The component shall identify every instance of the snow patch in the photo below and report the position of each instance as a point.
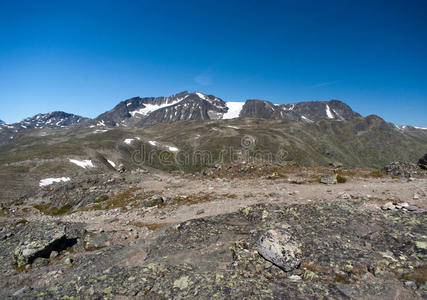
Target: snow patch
(422, 128)
(111, 163)
(306, 119)
(149, 108)
(100, 130)
(157, 144)
(202, 96)
(128, 141)
(328, 112)
(291, 108)
(234, 109)
(82, 163)
(49, 181)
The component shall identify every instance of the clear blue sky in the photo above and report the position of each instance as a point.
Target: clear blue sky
(84, 57)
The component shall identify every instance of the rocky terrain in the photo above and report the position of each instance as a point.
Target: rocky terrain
(159, 235)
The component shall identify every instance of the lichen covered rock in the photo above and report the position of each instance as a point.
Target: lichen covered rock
(280, 248)
(39, 242)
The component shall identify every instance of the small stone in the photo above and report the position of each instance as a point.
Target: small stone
(387, 206)
(68, 261)
(345, 196)
(294, 277)
(298, 180)
(181, 283)
(53, 254)
(40, 262)
(200, 211)
(416, 197)
(20, 291)
(412, 207)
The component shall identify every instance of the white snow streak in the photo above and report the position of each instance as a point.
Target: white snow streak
(202, 96)
(82, 163)
(328, 112)
(306, 119)
(49, 181)
(149, 108)
(157, 144)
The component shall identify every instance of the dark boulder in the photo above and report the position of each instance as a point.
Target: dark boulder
(422, 162)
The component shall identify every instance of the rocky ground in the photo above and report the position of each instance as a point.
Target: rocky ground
(155, 235)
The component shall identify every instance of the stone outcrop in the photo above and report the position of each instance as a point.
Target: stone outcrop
(39, 242)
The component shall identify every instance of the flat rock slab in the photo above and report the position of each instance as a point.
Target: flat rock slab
(39, 241)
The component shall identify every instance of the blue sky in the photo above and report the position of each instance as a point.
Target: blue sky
(84, 57)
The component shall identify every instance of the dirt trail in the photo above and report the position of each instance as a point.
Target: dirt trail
(229, 195)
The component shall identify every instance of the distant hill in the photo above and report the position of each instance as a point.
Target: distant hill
(56, 119)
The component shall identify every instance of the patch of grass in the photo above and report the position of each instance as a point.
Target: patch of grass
(20, 222)
(231, 196)
(341, 179)
(4, 211)
(274, 170)
(346, 172)
(194, 199)
(101, 199)
(53, 211)
(376, 174)
(118, 200)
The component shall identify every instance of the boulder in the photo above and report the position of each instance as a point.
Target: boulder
(39, 242)
(401, 169)
(329, 179)
(95, 242)
(422, 162)
(279, 247)
(154, 200)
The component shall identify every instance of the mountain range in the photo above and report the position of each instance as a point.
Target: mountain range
(188, 106)
(314, 133)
